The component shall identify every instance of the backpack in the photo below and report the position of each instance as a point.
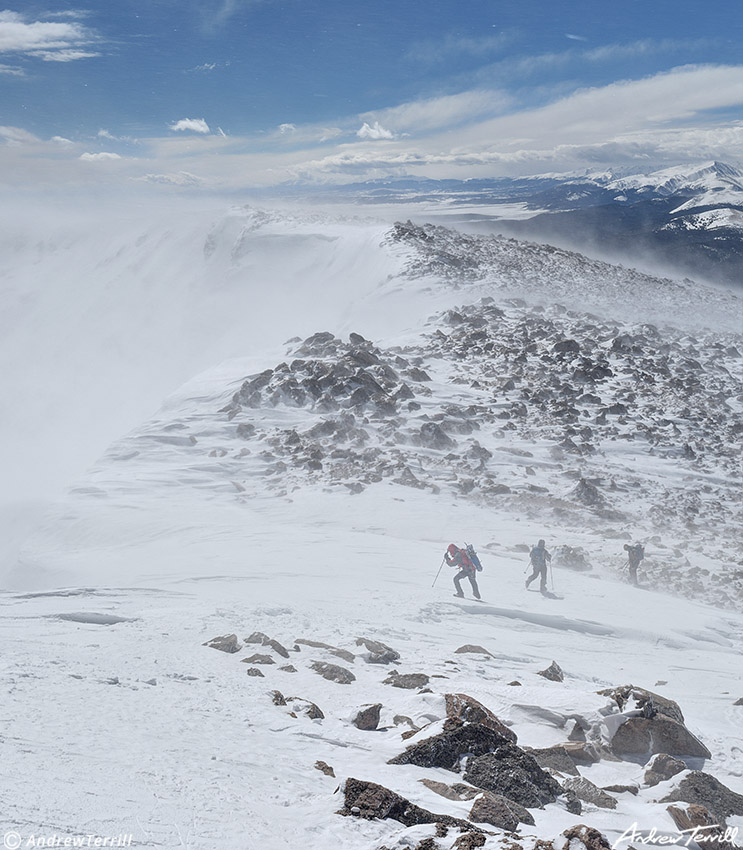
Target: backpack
(472, 555)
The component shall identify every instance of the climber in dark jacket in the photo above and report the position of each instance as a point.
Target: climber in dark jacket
(539, 557)
(635, 554)
(456, 557)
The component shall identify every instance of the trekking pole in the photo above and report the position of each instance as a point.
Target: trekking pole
(552, 581)
(438, 573)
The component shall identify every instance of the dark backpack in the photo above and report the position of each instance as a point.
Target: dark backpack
(472, 555)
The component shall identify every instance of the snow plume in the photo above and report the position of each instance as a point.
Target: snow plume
(374, 131)
(194, 125)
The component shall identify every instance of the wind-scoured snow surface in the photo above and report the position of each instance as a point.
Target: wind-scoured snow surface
(435, 388)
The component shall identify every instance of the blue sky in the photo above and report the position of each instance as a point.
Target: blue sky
(243, 92)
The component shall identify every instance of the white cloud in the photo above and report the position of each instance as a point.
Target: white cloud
(374, 131)
(98, 157)
(52, 41)
(440, 112)
(63, 55)
(287, 128)
(16, 136)
(12, 71)
(60, 140)
(194, 125)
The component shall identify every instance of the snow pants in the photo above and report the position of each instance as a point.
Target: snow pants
(539, 571)
(473, 581)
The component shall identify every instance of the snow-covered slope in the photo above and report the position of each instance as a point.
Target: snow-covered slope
(482, 390)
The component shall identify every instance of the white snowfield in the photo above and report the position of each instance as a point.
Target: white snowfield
(117, 720)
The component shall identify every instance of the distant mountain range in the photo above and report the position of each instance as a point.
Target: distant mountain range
(687, 219)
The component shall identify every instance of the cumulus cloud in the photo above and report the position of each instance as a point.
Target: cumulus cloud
(103, 156)
(287, 128)
(193, 125)
(374, 131)
(52, 41)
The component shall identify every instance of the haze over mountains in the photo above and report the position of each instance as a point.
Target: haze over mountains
(686, 219)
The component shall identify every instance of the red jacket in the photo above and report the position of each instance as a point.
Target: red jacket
(456, 557)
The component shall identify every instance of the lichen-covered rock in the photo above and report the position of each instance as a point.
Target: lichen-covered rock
(224, 643)
(333, 672)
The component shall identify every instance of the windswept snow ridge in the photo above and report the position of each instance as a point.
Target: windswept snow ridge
(237, 622)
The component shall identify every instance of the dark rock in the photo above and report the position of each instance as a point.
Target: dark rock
(499, 811)
(325, 768)
(588, 494)
(254, 671)
(515, 684)
(446, 749)
(224, 643)
(369, 800)
(433, 437)
(461, 708)
(378, 652)
(553, 673)
(509, 771)
(582, 752)
(258, 659)
(646, 736)
(662, 767)
(572, 803)
(245, 430)
(566, 346)
(585, 790)
(699, 822)
(288, 668)
(704, 790)
(277, 698)
(333, 672)
(572, 558)
(409, 681)
(368, 718)
(556, 758)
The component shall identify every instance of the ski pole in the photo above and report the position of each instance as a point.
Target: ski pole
(552, 581)
(438, 573)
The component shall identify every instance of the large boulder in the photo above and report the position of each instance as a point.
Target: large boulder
(462, 707)
(555, 758)
(369, 800)
(499, 811)
(704, 790)
(629, 695)
(368, 717)
(224, 643)
(378, 652)
(641, 737)
(446, 749)
(590, 838)
(509, 771)
(408, 681)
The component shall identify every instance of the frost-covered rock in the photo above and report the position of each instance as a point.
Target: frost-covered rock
(225, 643)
